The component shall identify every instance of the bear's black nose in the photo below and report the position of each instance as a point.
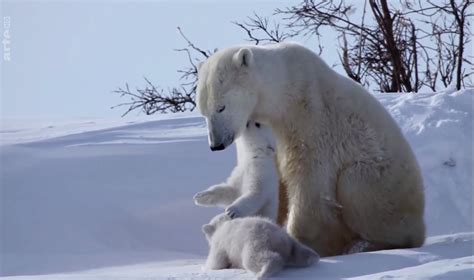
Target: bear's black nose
(218, 147)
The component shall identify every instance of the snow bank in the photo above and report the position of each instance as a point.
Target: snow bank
(439, 129)
(112, 199)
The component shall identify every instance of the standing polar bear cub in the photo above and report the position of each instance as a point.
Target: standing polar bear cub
(255, 244)
(252, 188)
(351, 176)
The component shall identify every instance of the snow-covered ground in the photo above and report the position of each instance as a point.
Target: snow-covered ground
(112, 199)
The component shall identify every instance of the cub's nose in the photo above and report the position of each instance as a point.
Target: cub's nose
(219, 147)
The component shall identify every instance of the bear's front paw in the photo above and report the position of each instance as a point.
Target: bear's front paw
(233, 212)
(204, 198)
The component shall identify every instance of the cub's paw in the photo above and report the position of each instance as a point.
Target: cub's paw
(233, 212)
(205, 198)
(313, 258)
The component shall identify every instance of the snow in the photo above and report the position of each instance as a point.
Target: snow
(112, 199)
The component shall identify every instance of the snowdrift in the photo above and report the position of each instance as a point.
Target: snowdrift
(112, 199)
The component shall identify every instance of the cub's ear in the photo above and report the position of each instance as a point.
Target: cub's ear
(243, 57)
(208, 229)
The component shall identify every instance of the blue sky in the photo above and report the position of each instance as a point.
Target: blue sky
(67, 56)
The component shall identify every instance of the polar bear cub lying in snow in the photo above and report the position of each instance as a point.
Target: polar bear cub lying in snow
(255, 244)
(252, 188)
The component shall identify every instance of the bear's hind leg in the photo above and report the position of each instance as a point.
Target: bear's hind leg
(383, 209)
(216, 260)
(301, 255)
(269, 263)
(263, 262)
(274, 265)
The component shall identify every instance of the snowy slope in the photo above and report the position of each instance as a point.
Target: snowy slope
(112, 199)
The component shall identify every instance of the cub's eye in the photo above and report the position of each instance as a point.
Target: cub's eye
(221, 109)
(257, 125)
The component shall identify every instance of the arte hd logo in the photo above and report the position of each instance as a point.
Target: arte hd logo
(6, 41)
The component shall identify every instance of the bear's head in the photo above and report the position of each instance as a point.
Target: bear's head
(224, 94)
(215, 223)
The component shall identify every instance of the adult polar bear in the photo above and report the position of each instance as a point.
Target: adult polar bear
(352, 178)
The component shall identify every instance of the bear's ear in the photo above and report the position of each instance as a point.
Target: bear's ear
(200, 65)
(208, 229)
(243, 57)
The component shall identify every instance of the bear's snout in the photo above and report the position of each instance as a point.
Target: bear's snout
(219, 140)
(218, 147)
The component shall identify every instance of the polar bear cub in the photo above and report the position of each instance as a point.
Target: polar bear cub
(252, 188)
(255, 244)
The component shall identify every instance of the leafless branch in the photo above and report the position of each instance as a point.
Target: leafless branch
(152, 99)
(259, 30)
(421, 44)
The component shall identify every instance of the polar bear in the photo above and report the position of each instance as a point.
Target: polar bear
(255, 244)
(252, 188)
(351, 176)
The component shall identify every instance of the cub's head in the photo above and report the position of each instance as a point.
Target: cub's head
(224, 94)
(214, 224)
(258, 135)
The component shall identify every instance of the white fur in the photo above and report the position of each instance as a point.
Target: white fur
(255, 244)
(348, 168)
(252, 188)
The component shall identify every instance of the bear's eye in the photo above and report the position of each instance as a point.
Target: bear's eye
(221, 109)
(257, 125)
